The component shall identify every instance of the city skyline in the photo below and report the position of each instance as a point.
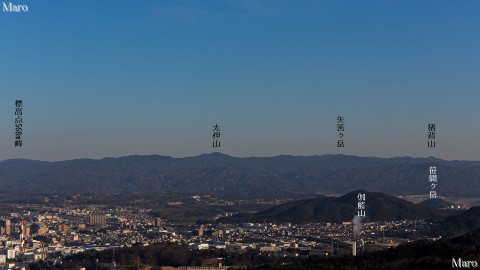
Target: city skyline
(111, 79)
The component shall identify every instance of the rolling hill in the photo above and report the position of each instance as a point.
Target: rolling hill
(379, 206)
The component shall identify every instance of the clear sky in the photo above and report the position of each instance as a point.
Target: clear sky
(113, 78)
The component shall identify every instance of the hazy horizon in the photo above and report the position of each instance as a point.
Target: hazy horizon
(111, 79)
(234, 156)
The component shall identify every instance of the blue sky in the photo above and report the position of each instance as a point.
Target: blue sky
(114, 78)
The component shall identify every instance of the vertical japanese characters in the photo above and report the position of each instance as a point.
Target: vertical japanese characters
(18, 123)
(431, 135)
(361, 205)
(432, 179)
(216, 136)
(341, 131)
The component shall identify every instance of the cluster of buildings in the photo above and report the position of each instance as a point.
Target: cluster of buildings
(39, 232)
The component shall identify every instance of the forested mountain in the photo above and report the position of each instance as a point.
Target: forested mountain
(254, 176)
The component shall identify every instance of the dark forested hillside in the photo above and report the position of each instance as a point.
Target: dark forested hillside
(379, 206)
(255, 176)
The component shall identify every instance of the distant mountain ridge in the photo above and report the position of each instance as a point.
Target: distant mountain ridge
(252, 176)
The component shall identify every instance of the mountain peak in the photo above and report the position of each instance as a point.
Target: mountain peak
(215, 155)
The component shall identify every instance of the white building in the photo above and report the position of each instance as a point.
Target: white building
(11, 253)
